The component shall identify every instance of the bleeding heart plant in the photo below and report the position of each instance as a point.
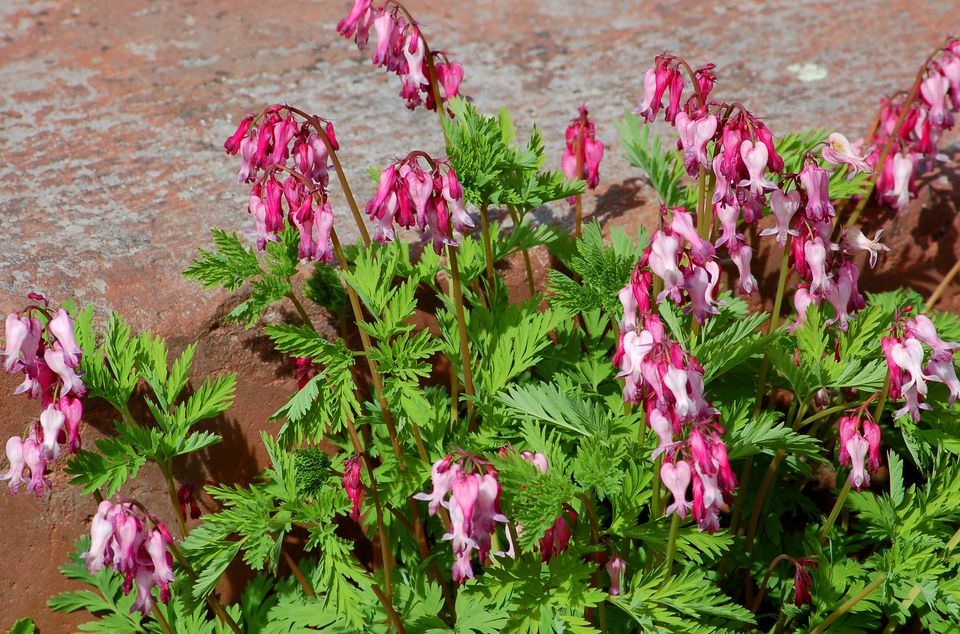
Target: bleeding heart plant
(494, 470)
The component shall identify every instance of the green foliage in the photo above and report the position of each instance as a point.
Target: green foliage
(115, 364)
(664, 168)
(23, 626)
(105, 601)
(491, 170)
(231, 265)
(603, 271)
(793, 147)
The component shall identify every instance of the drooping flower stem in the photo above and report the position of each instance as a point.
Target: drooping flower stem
(375, 377)
(835, 511)
(526, 252)
(167, 470)
(762, 379)
(162, 620)
(942, 287)
(872, 181)
(852, 601)
(487, 245)
(341, 176)
(297, 573)
(766, 579)
(391, 613)
(464, 341)
(703, 226)
(300, 310)
(952, 543)
(671, 545)
(904, 606)
(431, 69)
(386, 555)
(767, 483)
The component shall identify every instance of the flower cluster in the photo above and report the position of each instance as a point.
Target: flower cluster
(904, 353)
(271, 144)
(668, 381)
(859, 437)
(581, 159)
(120, 537)
(739, 158)
(409, 195)
(826, 269)
(42, 346)
(911, 127)
(401, 49)
(352, 484)
(473, 504)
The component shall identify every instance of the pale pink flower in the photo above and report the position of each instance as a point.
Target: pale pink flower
(676, 477)
(615, 569)
(856, 240)
(840, 151)
(784, 207)
(15, 458)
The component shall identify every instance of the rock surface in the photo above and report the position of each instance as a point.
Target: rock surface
(114, 116)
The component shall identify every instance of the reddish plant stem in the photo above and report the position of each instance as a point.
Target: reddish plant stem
(766, 579)
(942, 287)
(912, 95)
(341, 176)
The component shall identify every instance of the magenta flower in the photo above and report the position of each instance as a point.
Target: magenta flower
(581, 159)
(615, 569)
(694, 136)
(352, 484)
(802, 580)
(357, 21)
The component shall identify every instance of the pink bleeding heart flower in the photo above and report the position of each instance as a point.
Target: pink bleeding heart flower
(676, 477)
(664, 262)
(741, 256)
(816, 258)
(839, 151)
(903, 167)
(784, 207)
(352, 484)
(17, 462)
(857, 448)
(942, 370)
(232, 145)
(414, 51)
(923, 329)
(934, 91)
(855, 239)
(816, 182)
(755, 157)
(383, 26)
(450, 76)
(33, 458)
(70, 379)
(61, 327)
(615, 569)
(728, 215)
(101, 532)
(694, 136)
(682, 225)
(51, 422)
(348, 26)
(157, 547)
(662, 426)
(700, 285)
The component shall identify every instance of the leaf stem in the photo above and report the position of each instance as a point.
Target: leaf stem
(158, 615)
(297, 573)
(942, 287)
(766, 580)
(464, 341)
(375, 377)
(843, 609)
(300, 310)
(905, 604)
(672, 544)
(391, 613)
(487, 244)
(526, 252)
(835, 511)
